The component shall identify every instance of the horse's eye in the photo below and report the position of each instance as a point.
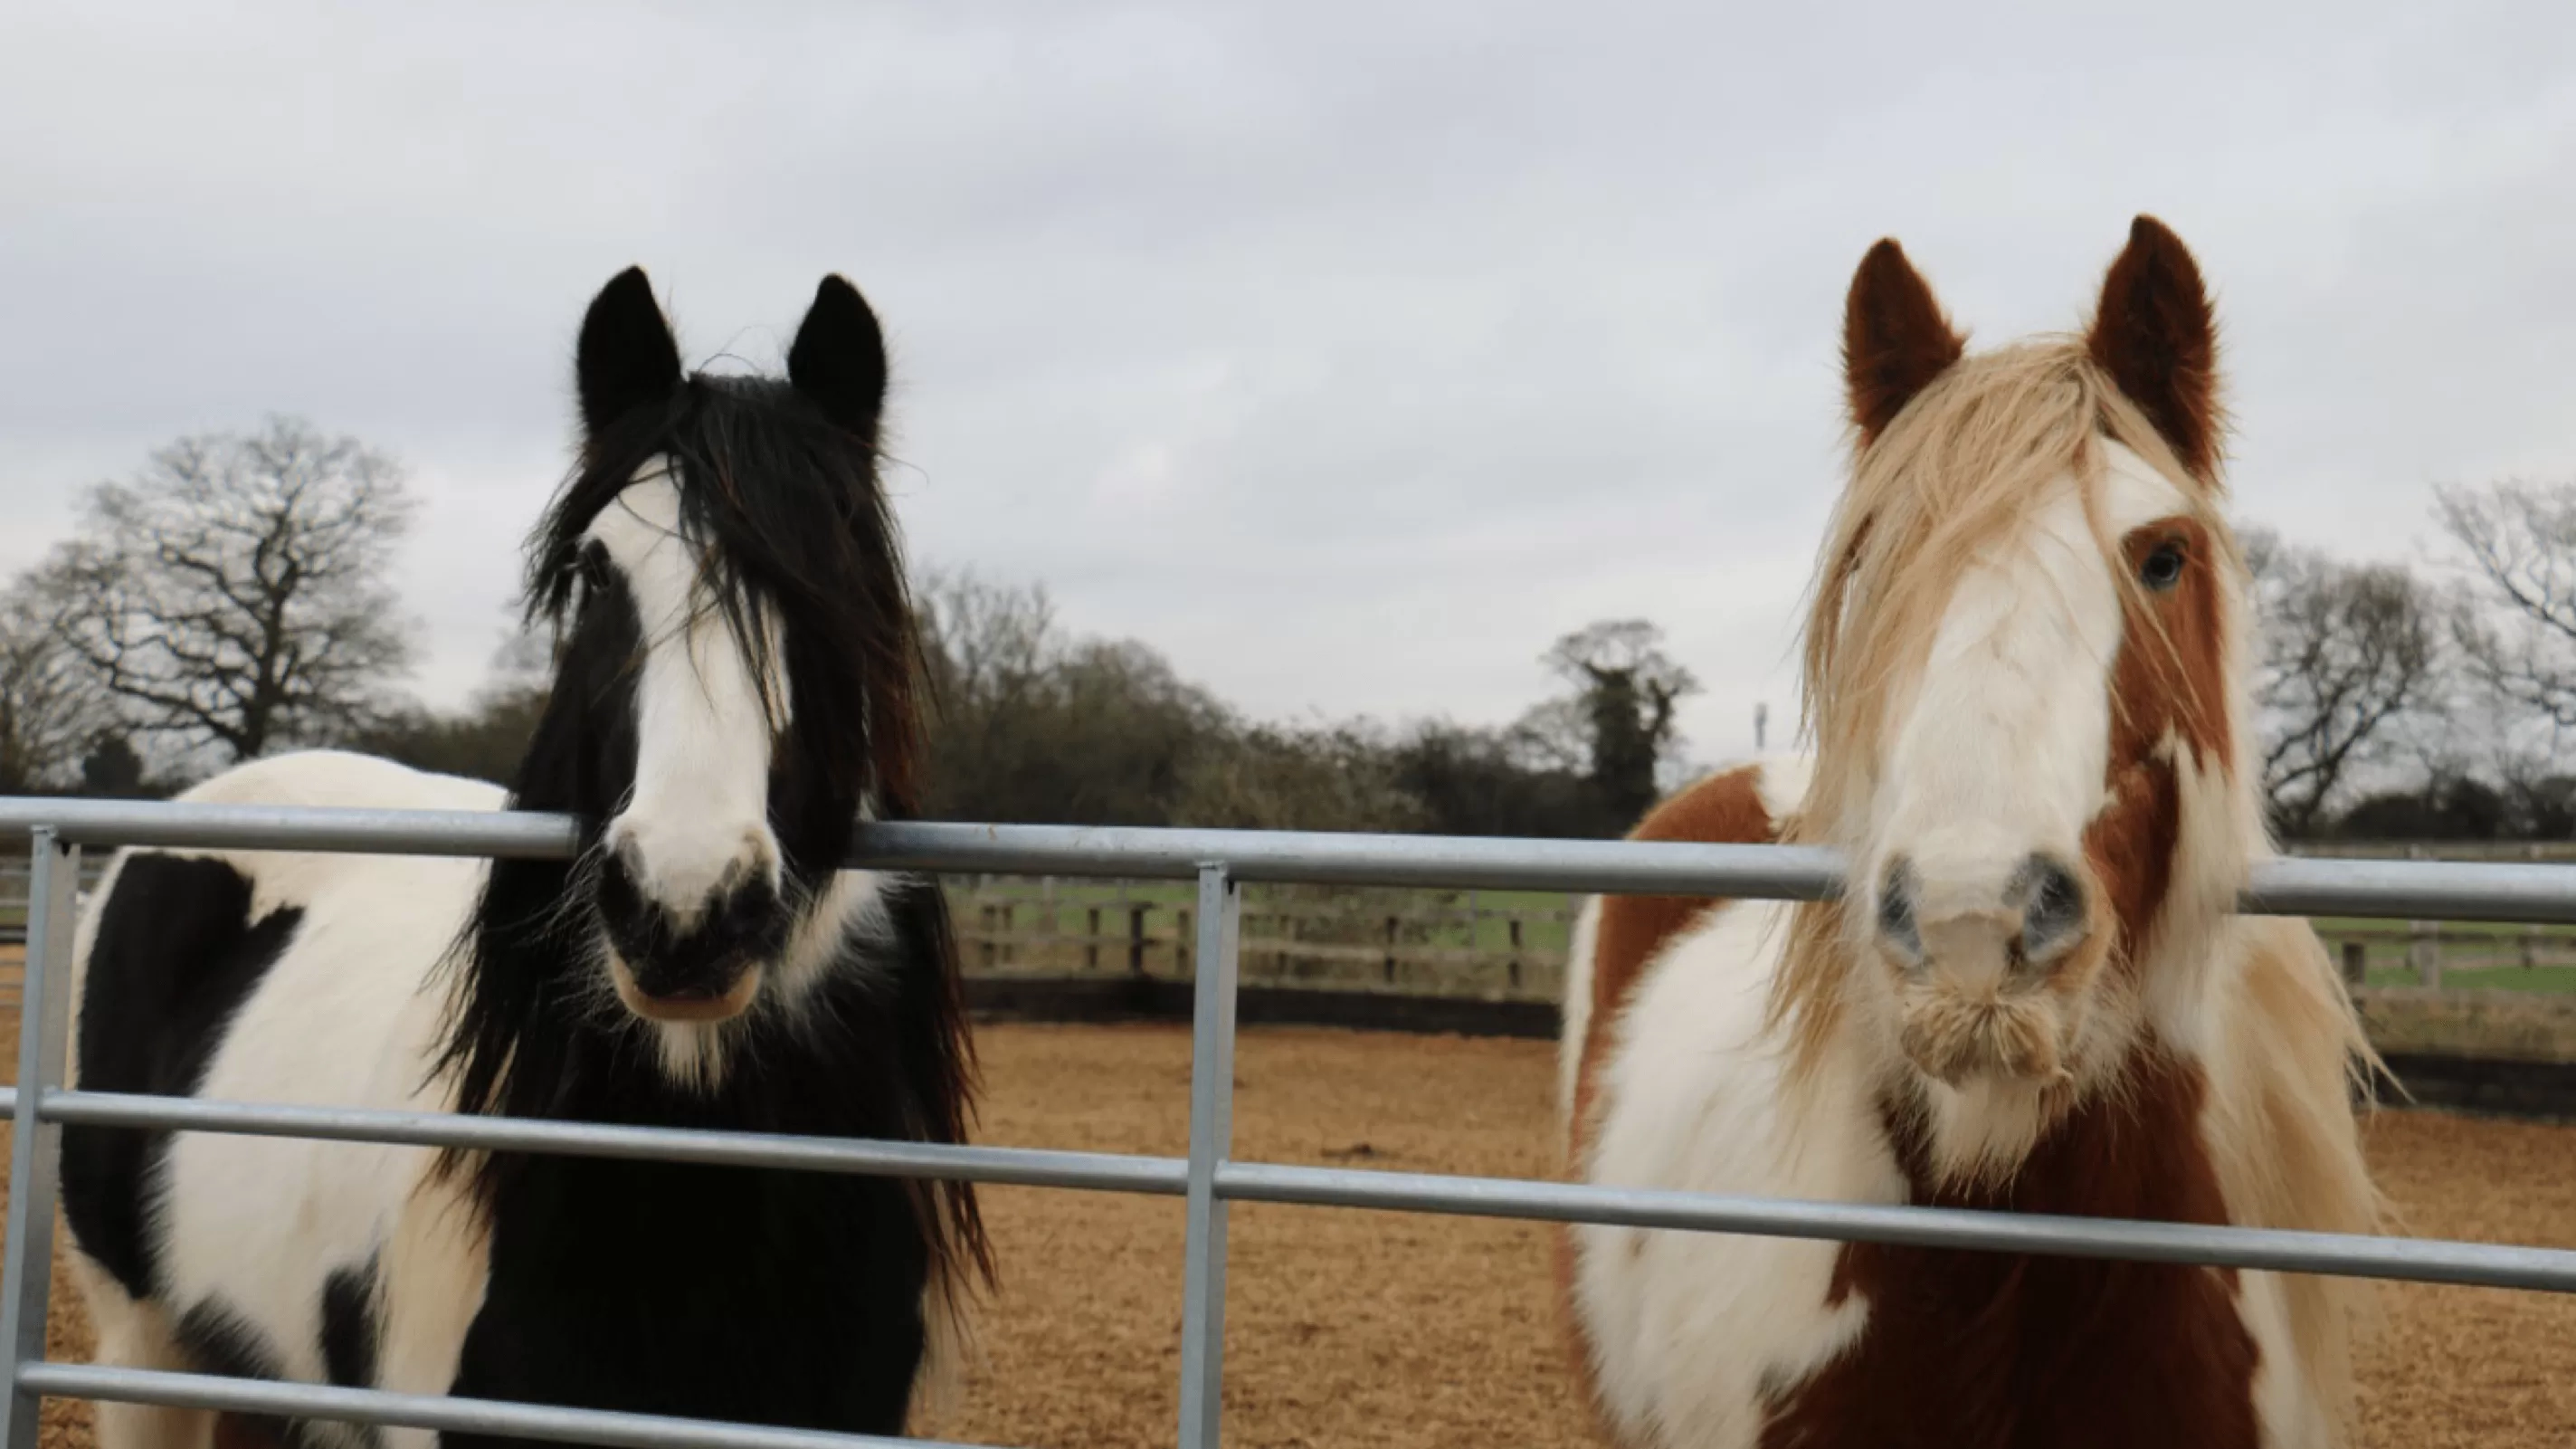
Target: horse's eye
(2162, 569)
(591, 565)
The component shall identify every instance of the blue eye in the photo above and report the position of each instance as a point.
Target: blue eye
(2162, 569)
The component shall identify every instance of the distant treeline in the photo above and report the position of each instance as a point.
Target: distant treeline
(1028, 724)
(161, 640)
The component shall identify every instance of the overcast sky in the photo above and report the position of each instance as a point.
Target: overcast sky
(1348, 353)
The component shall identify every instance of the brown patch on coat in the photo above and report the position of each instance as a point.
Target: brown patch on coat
(1723, 809)
(1967, 1350)
(1895, 339)
(2168, 690)
(2155, 334)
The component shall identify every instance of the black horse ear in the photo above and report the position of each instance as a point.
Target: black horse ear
(627, 358)
(839, 359)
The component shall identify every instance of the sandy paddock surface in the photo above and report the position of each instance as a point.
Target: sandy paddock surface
(1365, 1328)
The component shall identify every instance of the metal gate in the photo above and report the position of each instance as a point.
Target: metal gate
(1208, 1178)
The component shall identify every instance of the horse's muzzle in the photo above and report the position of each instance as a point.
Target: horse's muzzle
(702, 964)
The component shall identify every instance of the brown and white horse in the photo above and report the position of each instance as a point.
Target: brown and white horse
(2026, 688)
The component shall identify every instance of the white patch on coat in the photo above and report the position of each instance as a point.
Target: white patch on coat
(2003, 747)
(2001, 750)
(348, 1016)
(1688, 1330)
(2284, 1402)
(1574, 1012)
(135, 1335)
(699, 810)
(1780, 783)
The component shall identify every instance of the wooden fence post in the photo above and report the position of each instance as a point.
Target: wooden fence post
(1136, 938)
(2426, 947)
(2531, 932)
(1091, 947)
(2356, 963)
(1181, 940)
(1516, 951)
(1392, 926)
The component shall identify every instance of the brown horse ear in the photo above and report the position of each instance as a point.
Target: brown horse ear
(1895, 340)
(2155, 335)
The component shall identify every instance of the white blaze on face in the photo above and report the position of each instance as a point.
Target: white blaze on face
(2003, 749)
(699, 812)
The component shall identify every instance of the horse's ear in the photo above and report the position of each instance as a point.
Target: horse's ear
(839, 358)
(627, 358)
(2154, 333)
(1895, 340)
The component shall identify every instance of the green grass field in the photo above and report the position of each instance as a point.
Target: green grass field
(2551, 980)
(2477, 955)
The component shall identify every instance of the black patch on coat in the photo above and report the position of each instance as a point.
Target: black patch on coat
(352, 1325)
(782, 1298)
(217, 1340)
(175, 955)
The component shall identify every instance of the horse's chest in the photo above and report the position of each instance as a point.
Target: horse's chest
(1975, 1351)
(778, 1298)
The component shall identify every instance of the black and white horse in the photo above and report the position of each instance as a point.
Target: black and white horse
(734, 691)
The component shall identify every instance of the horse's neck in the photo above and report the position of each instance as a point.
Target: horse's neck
(2132, 1148)
(535, 1023)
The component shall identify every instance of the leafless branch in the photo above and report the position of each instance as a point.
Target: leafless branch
(2349, 651)
(234, 594)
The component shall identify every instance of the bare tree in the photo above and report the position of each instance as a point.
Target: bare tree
(233, 594)
(50, 704)
(985, 644)
(2519, 541)
(2349, 653)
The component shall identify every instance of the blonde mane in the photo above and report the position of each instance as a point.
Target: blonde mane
(1958, 473)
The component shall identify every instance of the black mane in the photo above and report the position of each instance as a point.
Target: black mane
(780, 499)
(810, 535)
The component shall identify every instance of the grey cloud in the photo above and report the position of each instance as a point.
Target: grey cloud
(1348, 352)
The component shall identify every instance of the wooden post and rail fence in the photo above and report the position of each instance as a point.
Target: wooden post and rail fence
(1510, 947)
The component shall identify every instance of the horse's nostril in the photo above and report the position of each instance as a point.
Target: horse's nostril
(2052, 904)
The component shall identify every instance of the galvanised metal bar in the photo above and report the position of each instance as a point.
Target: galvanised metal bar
(1220, 860)
(426, 1411)
(2392, 889)
(1778, 872)
(44, 1029)
(334, 829)
(1017, 1166)
(2349, 1255)
(2452, 890)
(2417, 1260)
(1211, 1142)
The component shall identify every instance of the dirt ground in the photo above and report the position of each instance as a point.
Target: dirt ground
(1361, 1328)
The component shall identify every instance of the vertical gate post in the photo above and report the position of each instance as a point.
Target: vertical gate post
(1211, 1142)
(44, 1027)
